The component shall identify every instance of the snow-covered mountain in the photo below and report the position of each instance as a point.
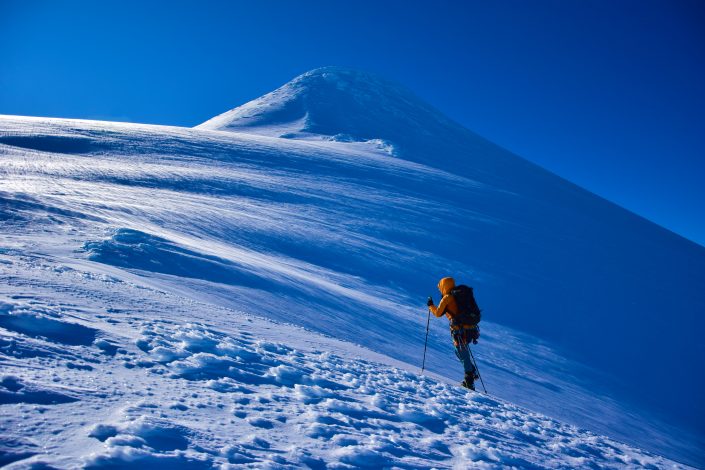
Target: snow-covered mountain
(252, 290)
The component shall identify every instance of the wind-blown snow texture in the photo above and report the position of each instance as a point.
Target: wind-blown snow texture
(139, 263)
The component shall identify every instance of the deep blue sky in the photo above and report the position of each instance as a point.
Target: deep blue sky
(607, 94)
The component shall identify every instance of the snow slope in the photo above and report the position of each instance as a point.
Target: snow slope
(161, 379)
(313, 207)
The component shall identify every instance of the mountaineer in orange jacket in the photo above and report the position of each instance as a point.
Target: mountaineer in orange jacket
(461, 331)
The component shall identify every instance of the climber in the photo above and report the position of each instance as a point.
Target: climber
(458, 304)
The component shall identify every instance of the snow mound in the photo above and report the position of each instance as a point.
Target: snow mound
(14, 390)
(69, 144)
(135, 249)
(41, 326)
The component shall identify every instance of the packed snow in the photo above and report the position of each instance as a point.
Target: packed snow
(102, 371)
(251, 292)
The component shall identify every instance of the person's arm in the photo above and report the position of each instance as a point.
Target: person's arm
(441, 309)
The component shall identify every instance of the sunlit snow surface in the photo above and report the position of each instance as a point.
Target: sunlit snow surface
(168, 389)
(197, 298)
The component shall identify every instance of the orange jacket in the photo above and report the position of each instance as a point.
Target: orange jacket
(447, 304)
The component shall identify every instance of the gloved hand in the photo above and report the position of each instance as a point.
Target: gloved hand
(429, 302)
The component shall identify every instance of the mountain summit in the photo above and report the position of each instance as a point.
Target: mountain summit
(342, 104)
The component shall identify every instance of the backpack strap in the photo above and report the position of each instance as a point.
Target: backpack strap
(462, 320)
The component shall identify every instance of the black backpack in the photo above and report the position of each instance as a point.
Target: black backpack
(468, 311)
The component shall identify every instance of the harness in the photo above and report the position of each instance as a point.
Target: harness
(465, 334)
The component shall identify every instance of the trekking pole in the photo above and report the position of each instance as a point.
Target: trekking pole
(428, 322)
(477, 369)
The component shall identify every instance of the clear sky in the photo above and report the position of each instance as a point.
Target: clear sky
(609, 95)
